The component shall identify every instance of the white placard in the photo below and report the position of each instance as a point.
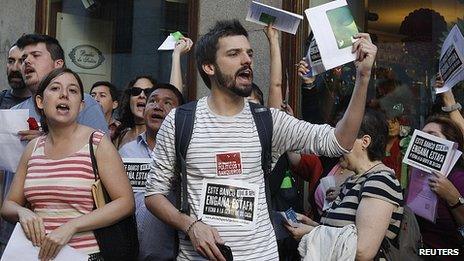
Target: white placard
(333, 27)
(229, 202)
(12, 121)
(20, 248)
(281, 20)
(137, 170)
(451, 63)
(431, 154)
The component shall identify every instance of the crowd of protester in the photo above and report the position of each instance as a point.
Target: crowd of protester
(50, 195)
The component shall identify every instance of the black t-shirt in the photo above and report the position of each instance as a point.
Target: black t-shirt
(7, 100)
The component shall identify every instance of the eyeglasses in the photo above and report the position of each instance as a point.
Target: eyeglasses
(136, 91)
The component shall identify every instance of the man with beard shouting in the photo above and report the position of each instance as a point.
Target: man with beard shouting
(225, 181)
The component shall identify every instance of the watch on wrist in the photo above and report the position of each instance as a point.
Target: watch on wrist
(456, 106)
(459, 203)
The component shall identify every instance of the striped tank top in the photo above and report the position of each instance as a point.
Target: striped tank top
(60, 190)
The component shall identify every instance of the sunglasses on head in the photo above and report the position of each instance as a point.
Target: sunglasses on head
(136, 91)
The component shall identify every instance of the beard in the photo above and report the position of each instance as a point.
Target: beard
(229, 82)
(16, 84)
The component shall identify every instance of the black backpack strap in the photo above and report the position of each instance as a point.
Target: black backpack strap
(264, 125)
(184, 120)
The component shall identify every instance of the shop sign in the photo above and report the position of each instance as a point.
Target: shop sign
(86, 56)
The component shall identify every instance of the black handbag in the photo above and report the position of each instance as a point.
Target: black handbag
(118, 242)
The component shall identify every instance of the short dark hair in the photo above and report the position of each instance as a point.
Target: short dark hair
(113, 89)
(172, 88)
(375, 125)
(255, 89)
(52, 45)
(205, 51)
(43, 85)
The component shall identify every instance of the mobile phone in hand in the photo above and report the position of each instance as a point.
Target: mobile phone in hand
(225, 251)
(291, 218)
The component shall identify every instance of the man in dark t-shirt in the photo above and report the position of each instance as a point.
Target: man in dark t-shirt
(18, 92)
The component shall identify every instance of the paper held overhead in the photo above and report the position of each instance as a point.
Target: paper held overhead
(451, 63)
(280, 19)
(334, 28)
(170, 41)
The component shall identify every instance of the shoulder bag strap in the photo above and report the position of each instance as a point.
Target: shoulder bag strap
(92, 157)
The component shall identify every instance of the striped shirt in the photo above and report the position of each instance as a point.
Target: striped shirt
(214, 134)
(380, 184)
(60, 190)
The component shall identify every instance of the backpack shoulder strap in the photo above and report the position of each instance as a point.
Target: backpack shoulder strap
(263, 121)
(184, 120)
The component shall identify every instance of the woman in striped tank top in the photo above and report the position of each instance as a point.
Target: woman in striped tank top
(51, 192)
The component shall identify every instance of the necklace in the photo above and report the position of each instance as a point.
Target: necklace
(367, 171)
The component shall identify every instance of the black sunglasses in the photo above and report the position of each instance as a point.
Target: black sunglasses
(136, 91)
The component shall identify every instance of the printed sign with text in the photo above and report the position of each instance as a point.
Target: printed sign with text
(137, 170)
(229, 163)
(229, 202)
(430, 153)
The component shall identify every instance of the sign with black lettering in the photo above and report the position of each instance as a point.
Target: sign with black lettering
(431, 154)
(229, 202)
(137, 171)
(451, 63)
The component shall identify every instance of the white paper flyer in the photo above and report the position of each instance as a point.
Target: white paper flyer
(333, 27)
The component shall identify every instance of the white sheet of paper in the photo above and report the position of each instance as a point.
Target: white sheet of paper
(423, 153)
(12, 121)
(20, 248)
(452, 69)
(168, 44)
(318, 19)
(284, 21)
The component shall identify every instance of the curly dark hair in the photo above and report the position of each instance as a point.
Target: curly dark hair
(125, 114)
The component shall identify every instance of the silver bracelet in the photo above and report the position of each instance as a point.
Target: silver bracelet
(456, 106)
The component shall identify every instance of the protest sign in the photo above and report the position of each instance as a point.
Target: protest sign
(12, 122)
(313, 58)
(137, 170)
(451, 64)
(431, 154)
(280, 19)
(229, 202)
(333, 27)
(421, 199)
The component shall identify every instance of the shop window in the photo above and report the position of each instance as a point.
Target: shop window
(116, 40)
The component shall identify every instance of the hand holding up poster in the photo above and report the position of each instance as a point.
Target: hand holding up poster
(451, 65)
(280, 19)
(431, 154)
(334, 29)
